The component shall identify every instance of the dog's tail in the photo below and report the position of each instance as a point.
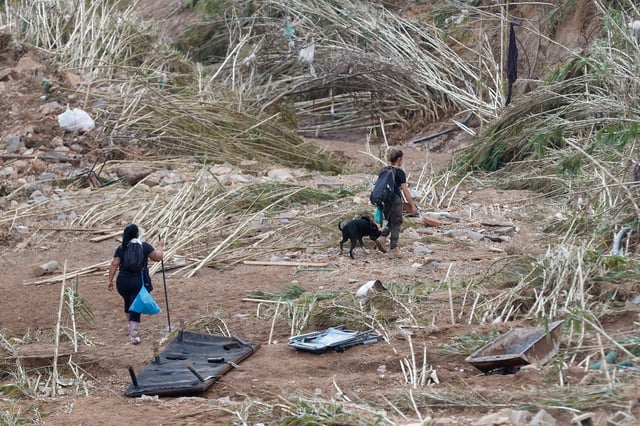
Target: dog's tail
(340, 226)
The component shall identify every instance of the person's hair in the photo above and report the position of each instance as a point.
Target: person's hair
(394, 155)
(130, 232)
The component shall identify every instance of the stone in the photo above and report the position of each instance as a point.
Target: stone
(38, 166)
(280, 174)
(73, 80)
(520, 417)
(20, 166)
(133, 174)
(50, 108)
(502, 417)
(13, 145)
(542, 418)
(250, 167)
(27, 65)
(77, 148)
(54, 156)
(221, 169)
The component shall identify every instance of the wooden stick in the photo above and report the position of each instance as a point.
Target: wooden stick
(54, 385)
(105, 237)
(273, 322)
(266, 263)
(259, 300)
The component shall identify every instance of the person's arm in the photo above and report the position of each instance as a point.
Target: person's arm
(113, 267)
(158, 253)
(409, 198)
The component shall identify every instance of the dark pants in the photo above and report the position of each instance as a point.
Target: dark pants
(128, 286)
(393, 216)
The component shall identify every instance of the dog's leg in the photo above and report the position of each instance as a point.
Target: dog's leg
(364, 249)
(353, 246)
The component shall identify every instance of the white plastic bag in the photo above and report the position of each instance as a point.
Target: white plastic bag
(75, 120)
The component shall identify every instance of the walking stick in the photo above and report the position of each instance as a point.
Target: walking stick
(164, 280)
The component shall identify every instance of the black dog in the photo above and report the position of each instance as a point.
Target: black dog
(356, 229)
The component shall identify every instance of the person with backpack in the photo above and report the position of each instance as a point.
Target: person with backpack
(391, 204)
(130, 259)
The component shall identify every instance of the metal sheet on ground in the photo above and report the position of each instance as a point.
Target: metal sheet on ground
(189, 365)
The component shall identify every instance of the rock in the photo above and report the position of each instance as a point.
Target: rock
(221, 169)
(13, 145)
(20, 166)
(280, 174)
(73, 80)
(500, 418)
(154, 179)
(47, 176)
(56, 142)
(38, 166)
(27, 65)
(77, 148)
(54, 156)
(133, 174)
(542, 418)
(249, 166)
(520, 417)
(50, 108)
(7, 74)
(6, 171)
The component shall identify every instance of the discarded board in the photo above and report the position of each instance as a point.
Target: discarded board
(333, 339)
(518, 347)
(189, 365)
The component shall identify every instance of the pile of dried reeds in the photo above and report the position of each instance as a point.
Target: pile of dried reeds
(204, 222)
(213, 131)
(348, 66)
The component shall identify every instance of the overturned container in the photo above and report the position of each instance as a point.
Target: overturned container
(518, 347)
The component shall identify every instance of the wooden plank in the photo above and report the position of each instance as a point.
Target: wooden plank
(267, 263)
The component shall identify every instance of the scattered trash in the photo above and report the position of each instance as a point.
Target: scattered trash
(610, 358)
(518, 347)
(333, 338)
(585, 419)
(621, 419)
(368, 286)
(75, 120)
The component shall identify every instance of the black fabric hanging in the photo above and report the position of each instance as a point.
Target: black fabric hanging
(512, 60)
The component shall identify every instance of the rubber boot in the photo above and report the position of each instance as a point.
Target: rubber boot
(133, 332)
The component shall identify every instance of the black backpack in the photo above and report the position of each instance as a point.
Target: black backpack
(384, 190)
(133, 257)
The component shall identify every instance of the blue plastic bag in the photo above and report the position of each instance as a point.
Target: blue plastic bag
(144, 303)
(379, 217)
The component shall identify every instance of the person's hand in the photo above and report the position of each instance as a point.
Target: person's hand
(414, 209)
(110, 286)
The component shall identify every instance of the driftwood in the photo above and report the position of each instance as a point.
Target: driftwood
(45, 268)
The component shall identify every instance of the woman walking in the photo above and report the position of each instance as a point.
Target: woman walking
(130, 259)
